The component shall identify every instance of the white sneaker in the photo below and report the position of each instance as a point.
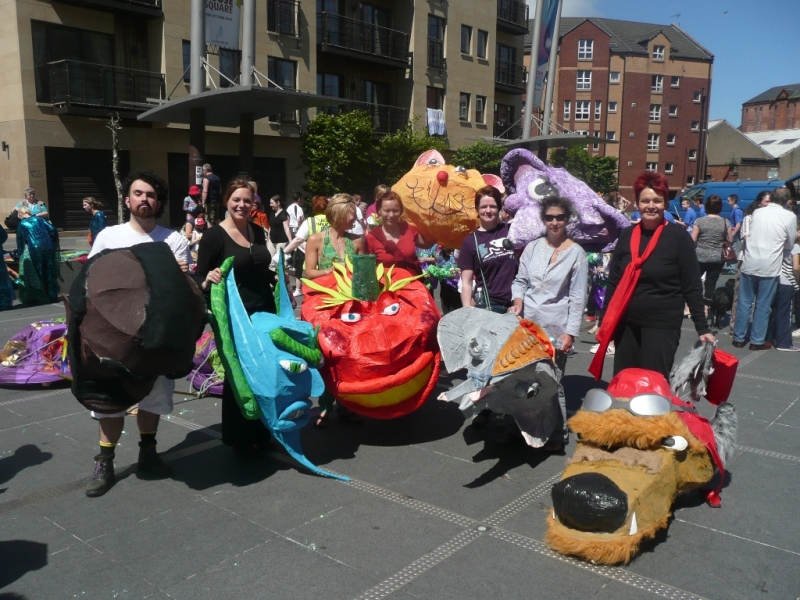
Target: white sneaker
(609, 351)
(297, 293)
(796, 333)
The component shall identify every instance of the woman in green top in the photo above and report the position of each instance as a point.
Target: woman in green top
(332, 245)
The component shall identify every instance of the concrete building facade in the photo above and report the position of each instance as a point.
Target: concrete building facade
(68, 64)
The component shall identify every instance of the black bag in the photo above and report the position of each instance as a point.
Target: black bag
(12, 220)
(480, 294)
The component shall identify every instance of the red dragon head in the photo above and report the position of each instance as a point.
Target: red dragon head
(377, 333)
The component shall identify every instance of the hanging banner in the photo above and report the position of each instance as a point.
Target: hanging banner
(546, 42)
(222, 23)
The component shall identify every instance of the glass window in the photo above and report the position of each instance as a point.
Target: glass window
(652, 166)
(695, 125)
(567, 108)
(483, 43)
(658, 53)
(612, 107)
(582, 110)
(676, 81)
(692, 154)
(673, 110)
(466, 39)
(670, 139)
(596, 146)
(585, 49)
(282, 72)
(435, 98)
(584, 80)
(229, 66)
(330, 85)
(652, 141)
(480, 109)
(655, 113)
(697, 97)
(669, 168)
(611, 135)
(187, 60)
(598, 109)
(613, 77)
(658, 84)
(436, 27)
(282, 17)
(690, 180)
(463, 107)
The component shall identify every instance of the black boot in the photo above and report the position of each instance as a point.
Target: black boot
(150, 462)
(103, 476)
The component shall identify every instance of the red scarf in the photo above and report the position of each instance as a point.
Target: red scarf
(622, 295)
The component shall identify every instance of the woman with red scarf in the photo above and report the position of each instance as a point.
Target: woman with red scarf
(653, 272)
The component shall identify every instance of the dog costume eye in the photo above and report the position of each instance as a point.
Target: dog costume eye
(677, 443)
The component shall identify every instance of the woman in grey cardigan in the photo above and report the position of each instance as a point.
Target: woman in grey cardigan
(551, 288)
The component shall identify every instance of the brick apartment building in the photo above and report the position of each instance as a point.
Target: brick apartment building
(67, 64)
(777, 108)
(644, 85)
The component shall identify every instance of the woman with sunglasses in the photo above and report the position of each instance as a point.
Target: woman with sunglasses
(653, 272)
(550, 289)
(246, 242)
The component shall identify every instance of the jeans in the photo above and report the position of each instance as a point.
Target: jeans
(761, 292)
(779, 330)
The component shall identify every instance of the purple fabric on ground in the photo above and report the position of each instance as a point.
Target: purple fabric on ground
(33, 356)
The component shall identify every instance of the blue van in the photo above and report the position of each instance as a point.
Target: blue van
(746, 190)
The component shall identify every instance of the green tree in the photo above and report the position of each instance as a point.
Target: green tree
(398, 151)
(481, 155)
(337, 151)
(598, 172)
(603, 174)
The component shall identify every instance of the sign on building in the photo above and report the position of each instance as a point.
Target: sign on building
(222, 23)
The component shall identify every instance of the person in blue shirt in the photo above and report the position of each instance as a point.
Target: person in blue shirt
(698, 204)
(737, 217)
(35, 207)
(98, 222)
(689, 215)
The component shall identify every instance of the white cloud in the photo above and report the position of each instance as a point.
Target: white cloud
(576, 8)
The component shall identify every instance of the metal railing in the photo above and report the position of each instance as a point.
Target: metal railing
(513, 12)
(149, 3)
(282, 16)
(360, 36)
(436, 59)
(385, 119)
(510, 74)
(70, 82)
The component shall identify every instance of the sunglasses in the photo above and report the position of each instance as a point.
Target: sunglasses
(560, 218)
(643, 405)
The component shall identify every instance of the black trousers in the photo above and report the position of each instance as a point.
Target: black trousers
(712, 271)
(236, 430)
(645, 348)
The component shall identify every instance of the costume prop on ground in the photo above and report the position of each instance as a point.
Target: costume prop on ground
(639, 447)
(377, 335)
(36, 355)
(529, 180)
(208, 373)
(270, 361)
(509, 364)
(133, 316)
(439, 199)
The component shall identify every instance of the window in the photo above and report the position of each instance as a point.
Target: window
(585, 49)
(187, 60)
(330, 85)
(612, 107)
(658, 53)
(655, 113)
(652, 166)
(630, 163)
(596, 146)
(669, 168)
(567, 106)
(613, 77)
(670, 139)
(692, 154)
(483, 43)
(376, 92)
(658, 84)
(676, 81)
(284, 74)
(504, 122)
(435, 98)
(673, 110)
(695, 125)
(652, 142)
(584, 80)
(229, 62)
(582, 110)
(598, 109)
(436, 27)
(697, 97)
(466, 39)
(611, 135)
(463, 107)
(690, 180)
(282, 17)
(480, 109)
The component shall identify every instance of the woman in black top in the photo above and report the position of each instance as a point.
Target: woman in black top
(649, 331)
(247, 243)
(279, 233)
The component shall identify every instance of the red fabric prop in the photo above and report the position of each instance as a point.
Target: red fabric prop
(720, 382)
(622, 295)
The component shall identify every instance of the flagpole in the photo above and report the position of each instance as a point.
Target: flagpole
(532, 66)
(551, 71)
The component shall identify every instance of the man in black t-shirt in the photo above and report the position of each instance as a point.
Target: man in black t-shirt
(212, 194)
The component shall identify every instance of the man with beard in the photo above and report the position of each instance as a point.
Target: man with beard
(145, 198)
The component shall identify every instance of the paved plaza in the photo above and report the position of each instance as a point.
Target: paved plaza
(435, 509)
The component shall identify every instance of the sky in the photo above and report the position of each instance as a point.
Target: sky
(755, 44)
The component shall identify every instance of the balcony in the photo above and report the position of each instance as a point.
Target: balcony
(510, 77)
(282, 17)
(352, 38)
(505, 132)
(436, 59)
(150, 9)
(385, 119)
(84, 88)
(512, 17)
